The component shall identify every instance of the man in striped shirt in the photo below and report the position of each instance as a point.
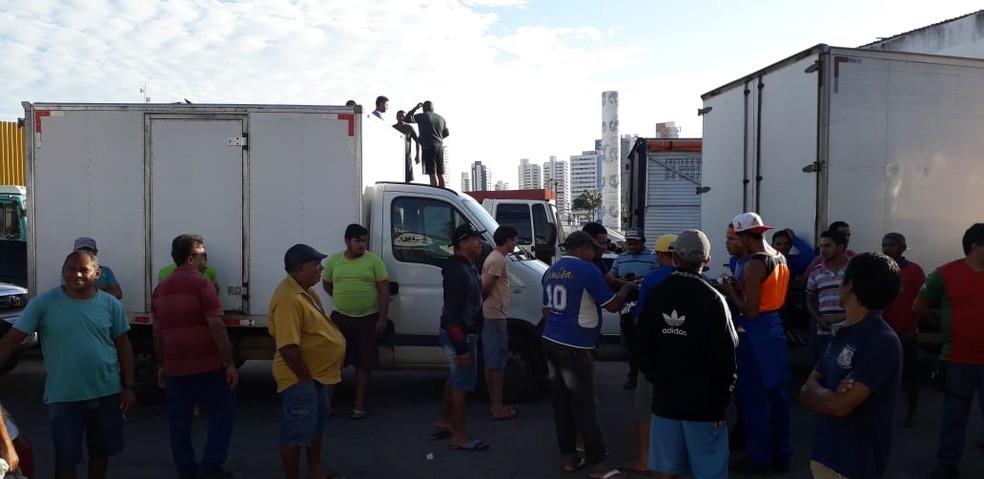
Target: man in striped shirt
(823, 289)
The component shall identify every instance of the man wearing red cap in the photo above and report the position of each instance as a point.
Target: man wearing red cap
(763, 360)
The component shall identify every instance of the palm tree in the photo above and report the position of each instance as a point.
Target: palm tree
(589, 201)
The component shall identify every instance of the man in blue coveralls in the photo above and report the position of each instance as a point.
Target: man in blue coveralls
(763, 359)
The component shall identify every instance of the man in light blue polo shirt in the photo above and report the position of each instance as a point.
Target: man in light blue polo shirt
(89, 365)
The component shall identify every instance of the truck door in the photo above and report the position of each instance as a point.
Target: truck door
(419, 231)
(544, 233)
(196, 186)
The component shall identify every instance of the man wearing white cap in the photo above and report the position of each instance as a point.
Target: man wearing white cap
(763, 359)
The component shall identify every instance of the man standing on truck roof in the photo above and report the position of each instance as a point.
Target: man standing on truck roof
(382, 104)
(899, 316)
(822, 289)
(461, 322)
(358, 284)
(763, 360)
(433, 131)
(89, 363)
(495, 332)
(195, 362)
(308, 360)
(574, 291)
(632, 265)
(854, 388)
(409, 136)
(107, 280)
(957, 288)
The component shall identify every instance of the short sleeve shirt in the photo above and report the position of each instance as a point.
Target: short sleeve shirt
(870, 353)
(638, 265)
(354, 281)
(497, 303)
(573, 293)
(181, 306)
(826, 285)
(77, 343)
(959, 293)
(899, 315)
(297, 317)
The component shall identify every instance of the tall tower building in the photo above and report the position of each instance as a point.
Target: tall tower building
(466, 185)
(557, 176)
(481, 177)
(611, 192)
(529, 176)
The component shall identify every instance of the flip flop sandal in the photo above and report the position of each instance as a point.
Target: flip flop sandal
(440, 434)
(474, 446)
(512, 414)
(575, 465)
(358, 414)
(637, 472)
(612, 474)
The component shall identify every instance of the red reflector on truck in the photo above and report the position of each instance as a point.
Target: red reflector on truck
(141, 319)
(232, 322)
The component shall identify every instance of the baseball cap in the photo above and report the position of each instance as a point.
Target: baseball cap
(464, 231)
(301, 253)
(634, 234)
(85, 242)
(665, 244)
(579, 237)
(692, 244)
(750, 222)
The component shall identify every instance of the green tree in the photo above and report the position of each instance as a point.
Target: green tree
(589, 201)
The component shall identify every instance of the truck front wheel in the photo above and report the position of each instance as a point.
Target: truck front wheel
(525, 369)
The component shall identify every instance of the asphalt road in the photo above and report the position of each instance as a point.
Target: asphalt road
(392, 441)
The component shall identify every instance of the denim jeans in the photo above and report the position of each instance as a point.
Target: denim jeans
(961, 382)
(211, 392)
(572, 393)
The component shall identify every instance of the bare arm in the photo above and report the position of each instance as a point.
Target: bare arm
(292, 356)
(220, 337)
(329, 287)
(619, 300)
(832, 403)
(813, 307)
(383, 296)
(10, 342)
(488, 283)
(7, 451)
(124, 354)
(614, 282)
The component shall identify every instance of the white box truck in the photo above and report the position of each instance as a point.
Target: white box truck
(664, 188)
(253, 180)
(887, 141)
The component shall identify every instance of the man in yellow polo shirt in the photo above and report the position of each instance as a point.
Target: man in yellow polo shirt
(310, 349)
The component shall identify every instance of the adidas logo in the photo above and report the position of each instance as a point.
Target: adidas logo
(673, 320)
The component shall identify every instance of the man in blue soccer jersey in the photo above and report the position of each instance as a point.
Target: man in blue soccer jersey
(574, 291)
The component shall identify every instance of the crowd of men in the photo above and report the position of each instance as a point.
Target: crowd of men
(725, 338)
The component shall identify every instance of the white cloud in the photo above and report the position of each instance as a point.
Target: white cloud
(496, 3)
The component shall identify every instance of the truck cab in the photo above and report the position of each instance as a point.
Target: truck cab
(540, 230)
(13, 234)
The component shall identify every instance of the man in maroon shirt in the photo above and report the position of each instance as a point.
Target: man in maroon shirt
(899, 316)
(195, 364)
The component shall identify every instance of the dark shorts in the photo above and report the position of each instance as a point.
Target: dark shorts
(433, 159)
(495, 343)
(361, 344)
(98, 420)
(304, 413)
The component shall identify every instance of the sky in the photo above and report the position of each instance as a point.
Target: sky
(513, 78)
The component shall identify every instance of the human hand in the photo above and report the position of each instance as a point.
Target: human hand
(232, 376)
(160, 377)
(845, 385)
(128, 400)
(381, 326)
(465, 360)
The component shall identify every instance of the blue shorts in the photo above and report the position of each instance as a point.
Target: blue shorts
(462, 379)
(678, 447)
(495, 343)
(304, 413)
(99, 420)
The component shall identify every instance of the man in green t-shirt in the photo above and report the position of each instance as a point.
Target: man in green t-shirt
(207, 272)
(356, 280)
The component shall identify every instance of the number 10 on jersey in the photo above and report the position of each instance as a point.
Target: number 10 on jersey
(556, 297)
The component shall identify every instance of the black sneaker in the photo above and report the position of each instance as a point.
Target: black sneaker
(750, 468)
(217, 474)
(945, 471)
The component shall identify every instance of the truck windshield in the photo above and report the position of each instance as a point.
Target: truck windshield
(484, 218)
(10, 216)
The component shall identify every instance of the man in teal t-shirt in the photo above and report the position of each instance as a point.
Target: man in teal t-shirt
(357, 281)
(89, 364)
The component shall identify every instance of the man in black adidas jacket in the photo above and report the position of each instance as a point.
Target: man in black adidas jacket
(687, 350)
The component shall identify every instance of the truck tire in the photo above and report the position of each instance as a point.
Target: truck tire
(525, 369)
